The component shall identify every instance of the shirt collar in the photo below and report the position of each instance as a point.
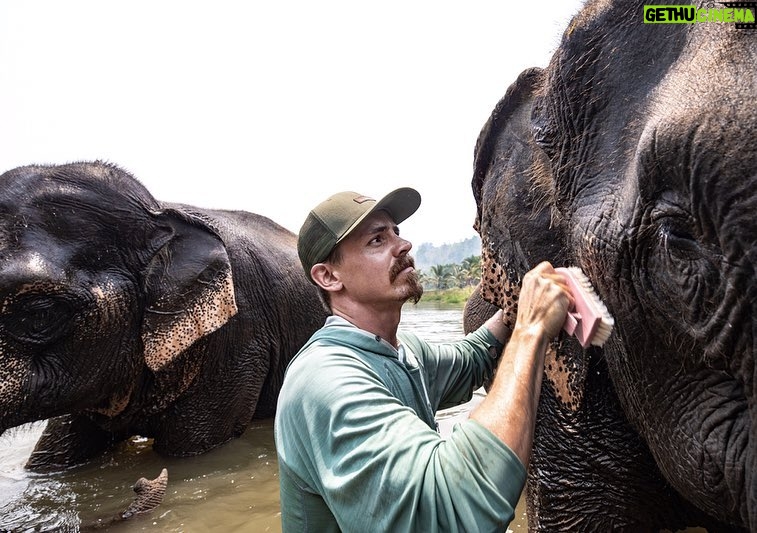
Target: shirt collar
(335, 321)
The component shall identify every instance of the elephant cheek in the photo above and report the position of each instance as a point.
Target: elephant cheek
(11, 385)
(565, 369)
(498, 287)
(566, 362)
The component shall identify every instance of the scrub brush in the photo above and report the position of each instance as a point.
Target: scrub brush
(588, 320)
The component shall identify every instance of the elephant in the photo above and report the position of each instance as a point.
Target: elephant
(121, 315)
(633, 155)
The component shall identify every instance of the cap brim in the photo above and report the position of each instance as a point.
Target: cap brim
(400, 204)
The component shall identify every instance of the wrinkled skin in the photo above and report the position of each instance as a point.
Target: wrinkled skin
(122, 316)
(150, 494)
(633, 155)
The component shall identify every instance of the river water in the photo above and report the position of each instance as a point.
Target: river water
(231, 489)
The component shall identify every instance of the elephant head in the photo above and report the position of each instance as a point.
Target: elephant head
(633, 155)
(119, 315)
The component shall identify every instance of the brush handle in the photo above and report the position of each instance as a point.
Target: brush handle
(583, 317)
(571, 322)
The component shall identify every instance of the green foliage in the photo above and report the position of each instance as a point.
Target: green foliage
(453, 276)
(449, 272)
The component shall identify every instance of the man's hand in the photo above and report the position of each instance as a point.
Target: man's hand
(543, 302)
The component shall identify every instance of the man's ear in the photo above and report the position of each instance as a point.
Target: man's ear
(325, 277)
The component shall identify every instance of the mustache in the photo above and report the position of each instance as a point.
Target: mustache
(401, 264)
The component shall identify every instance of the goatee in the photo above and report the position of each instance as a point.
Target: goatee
(414, 287)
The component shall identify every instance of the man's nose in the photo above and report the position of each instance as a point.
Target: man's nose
(403, 246)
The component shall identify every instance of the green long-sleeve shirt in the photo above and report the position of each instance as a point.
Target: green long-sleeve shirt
(357, 445)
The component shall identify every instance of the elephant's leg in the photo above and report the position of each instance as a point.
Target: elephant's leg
(68, 440)
(212, 413)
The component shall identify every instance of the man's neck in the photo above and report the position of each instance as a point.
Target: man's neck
(383, 323)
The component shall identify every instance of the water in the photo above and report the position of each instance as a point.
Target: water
(231, 489)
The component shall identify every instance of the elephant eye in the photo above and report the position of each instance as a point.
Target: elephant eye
(38, 320)
(675, 238)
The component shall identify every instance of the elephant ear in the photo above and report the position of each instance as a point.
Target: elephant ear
(512, 184)
(189, 287)
(518, 223)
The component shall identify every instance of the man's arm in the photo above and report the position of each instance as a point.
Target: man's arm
(509, 408)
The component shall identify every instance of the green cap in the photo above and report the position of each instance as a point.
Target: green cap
(336, 217)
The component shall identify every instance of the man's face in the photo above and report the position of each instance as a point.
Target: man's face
(375, 264)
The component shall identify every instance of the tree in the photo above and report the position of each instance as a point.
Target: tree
(438, 276)
(471, 266)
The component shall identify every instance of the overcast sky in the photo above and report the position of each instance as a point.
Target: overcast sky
(270, 106)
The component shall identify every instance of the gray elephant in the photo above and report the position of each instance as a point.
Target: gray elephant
(633, 155)
(121, 315)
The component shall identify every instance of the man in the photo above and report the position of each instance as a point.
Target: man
(355, 433)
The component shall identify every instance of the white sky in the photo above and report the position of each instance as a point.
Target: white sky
(270, 106)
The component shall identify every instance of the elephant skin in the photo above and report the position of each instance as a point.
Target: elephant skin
(121, 315)
(633, 155)
(150, 494)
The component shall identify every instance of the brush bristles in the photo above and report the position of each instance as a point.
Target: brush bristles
(603, 332)
(606, 322)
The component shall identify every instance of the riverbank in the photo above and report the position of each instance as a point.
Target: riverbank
(447, 296)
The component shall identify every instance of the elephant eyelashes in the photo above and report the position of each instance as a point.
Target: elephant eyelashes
(38, 321)
(675, 239)
(676, 233)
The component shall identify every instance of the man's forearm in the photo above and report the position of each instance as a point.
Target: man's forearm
(509, 408)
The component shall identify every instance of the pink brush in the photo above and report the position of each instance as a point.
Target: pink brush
(588, 320)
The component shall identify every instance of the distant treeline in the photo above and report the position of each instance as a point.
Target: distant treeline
(427, 255)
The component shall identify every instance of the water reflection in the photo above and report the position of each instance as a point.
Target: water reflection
(231, 489)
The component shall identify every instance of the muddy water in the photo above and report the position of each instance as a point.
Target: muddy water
(232, 489)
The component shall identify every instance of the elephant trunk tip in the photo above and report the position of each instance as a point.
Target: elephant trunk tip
(150, 494)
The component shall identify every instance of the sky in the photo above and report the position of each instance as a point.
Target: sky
(270, 107)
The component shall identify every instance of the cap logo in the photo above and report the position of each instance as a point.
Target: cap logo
(363, 199)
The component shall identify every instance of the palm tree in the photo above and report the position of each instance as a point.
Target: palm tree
(472, 267)
(438, 276)
(458, 277)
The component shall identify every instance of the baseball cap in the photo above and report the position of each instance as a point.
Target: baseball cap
(336, 217)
